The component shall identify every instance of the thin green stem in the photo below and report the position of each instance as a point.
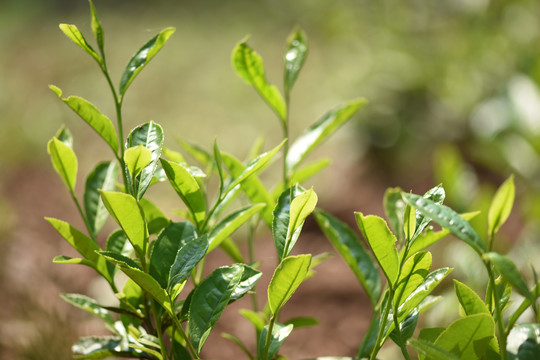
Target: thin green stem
(285, 126)
(498, 313)
(184, 336)
(269, 336)
(83, 216)
(159, 329)
(378, 343)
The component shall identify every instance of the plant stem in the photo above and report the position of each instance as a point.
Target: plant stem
(498, 313)
(378, 343)
(269, 336)
(159, 330)
(285, 125)
(183, 334)
(83, 216)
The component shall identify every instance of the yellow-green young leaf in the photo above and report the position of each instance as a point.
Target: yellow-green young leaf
(128, 214)
(77, 37)
(96, 28)
(412, 274)
(302, 174)
(469, 300)
(409, 222)
(64, 161)
(136, 159)
(382, 243)
(279, 333)
(143, 57)
(501, 206)
(432, 351)
(301, 207)
(287, 277)
(101, 124)
(173, 155)
(249, 66)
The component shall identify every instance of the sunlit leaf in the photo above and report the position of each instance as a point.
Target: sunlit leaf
(394, 208)
(294, 57)
(101, 347)
(280, 221)
(431, 350)
(187, 257)
(154, 217)
(72, 32)
(501, 206)
(413, 273)
(279, 333)
(469, 300)
(523, 342)
(136, 159)
(64, 162)
(90, 305)
(96, 28)
(287, 277)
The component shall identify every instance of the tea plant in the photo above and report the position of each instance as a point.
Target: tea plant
(155, 318)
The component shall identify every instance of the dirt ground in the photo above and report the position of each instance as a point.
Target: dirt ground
(37, 324)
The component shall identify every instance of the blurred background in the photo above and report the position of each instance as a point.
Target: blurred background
(454, 98)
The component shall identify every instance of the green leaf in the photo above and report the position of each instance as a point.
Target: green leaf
(447, 218)
(523, 342)
(382, 243)
(468, 337)
(394, 208)
(102, 347)
(64, 161)
(370, 338)
(166, 248)
(469, 300)
(80, 242)
(436, 195)
(431, 350)
(150, 135)
(103, 177)
(90, 305)
(501, 206)
(409, 222)
(136, 159)
(250, 276)
(64, 135)
(301, 207)
(187, 258)
(154, 217)
(187, 187)
(294, 57)
(321, 130)
(96, 28)
(230, 224)
(509, 271)
(196, 152)
(209, 300)
(231, 249)
(128, 214)
(281, 221)
(118, 243)
(251, 186)
(255, 318)
(238, 343)
(279, 334)
(406, 328)
(290, 273)
(249, 66)
(101, 124)
(413, 273)
(347, 243)
(303, 174)
(143, 57)
(144, 280)
(77, 261)
(72, 32)
(302, 321)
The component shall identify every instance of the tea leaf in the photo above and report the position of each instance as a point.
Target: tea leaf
(143, 57)
(249, 66)
(118, 243)
(136, 159)
(501, 206)
(347, 243)
(469, 300)
(406, 328)
(103, 177)
(370, 338)
(128, 214)
(187, 258)
(64, 161)
(238, 343)
(77, 261)
(321, 130)
(302, 174)
(72, 32)
(302, 321)
(382, 243)
(431, 350)
(90, 305)
(509, 271)
(231, 249)
(294, 58)
(409, 222)
(249, 278)
(413, 273)
(301, 207)
(80, 242)
(209, 300)
(149, 135)
(187, 187)
(281, 218)
(279, 333)
(255, 318)
(100, 123)
(166, 248)
(230, 224)
(447, 218)
(290, 273)
(96, 28)
(437, 195)
(64, 135)
(154, 217)
(102, 347)
(523, 342)
(394, 208)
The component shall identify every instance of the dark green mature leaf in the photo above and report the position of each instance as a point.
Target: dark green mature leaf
(64, 162)
(370, 338)
(90, 305)
(187, 187)
(230, 224)
(509, 271)
(437, 195)
(149, 135)
(252, 186)
(501, 206)
(96, 28)
(347, 243)
(72, 32)
(413, 273)
(250, 276)
(128, 214)
(321, 130)
(64, 135)
(523, 342)
(279, 333)
(294, 57)
(101, 347)
(281, 218)
(187, 258)
(406, 329)
(166, 248)
(143, 57)
(431, 350)
(469, 300)
(290, 273)
(103, 177)
(382, 243)
(118, 243)
(447, 218)
(209, 300)
(249, 66)
(101, 124)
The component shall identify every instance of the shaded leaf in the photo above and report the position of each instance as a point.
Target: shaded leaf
(394, 208)
(290, 273)
(154, 217)
(118, 243)
(523, 342)
(294, 57)
(103, 177)
(187, 258)
(302, 321)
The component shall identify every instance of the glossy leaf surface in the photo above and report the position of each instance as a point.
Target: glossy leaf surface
(469, 300)
(103, 177)
(347, 243)
(64, 162)
(413, 273)
(301, 207)
(321, 130)
(281, 221)
(294, 57)
(279, 333)
(523, 342)
(72, 32)
(394, 208)
(118, 243)
(187, 257)
(287, 277)
(249, 278)
(382, 243)
(143, 57)
(501, 206)
(100, 123)
(90, 305)
(136, 159)
(101, 347)
(96, 28)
